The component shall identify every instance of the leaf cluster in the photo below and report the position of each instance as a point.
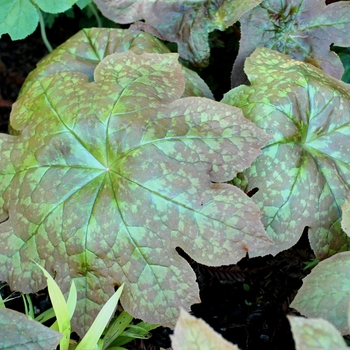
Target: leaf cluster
(118, 155)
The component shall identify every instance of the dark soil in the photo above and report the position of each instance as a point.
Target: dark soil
(247, 303)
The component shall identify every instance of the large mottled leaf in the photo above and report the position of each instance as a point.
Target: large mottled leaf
(107, 178)
(315, 334)
(303, 175)
(19, 332)
(325, 292)
(192, 333)
(304, 29)
(19, 18)
(84, 50)
(185, 22)
(345, 224)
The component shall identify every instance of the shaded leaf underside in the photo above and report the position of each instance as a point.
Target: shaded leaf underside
(107, 178)
(303, 29)
(303, 175)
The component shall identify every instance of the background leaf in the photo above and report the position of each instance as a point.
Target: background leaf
(192, 333)
(325, 292)
(19, 332)
(185, 22)
(304, 29)
(109, 177)
(315, 334)
(20, 18)
(303, 175)
(55, 6)
(84, 50)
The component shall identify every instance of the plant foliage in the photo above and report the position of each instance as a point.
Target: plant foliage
(20, 332)
(119, 155)
(326, 292)
(304, 29)
(185, 22)
(107, 178)
(20, 18)
(303, 175)
(315, 334)
(84, 50)
(192, 333)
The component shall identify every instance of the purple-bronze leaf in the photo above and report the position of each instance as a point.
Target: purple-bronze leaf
(185, 22)
(84, 50)
(105, 179)
(325, 292)
(303, 29)
(303, 175)
(19, 332)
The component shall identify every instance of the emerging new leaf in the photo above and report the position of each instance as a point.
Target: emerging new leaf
(107, 178)
(185, 22)
(303, 175)
(304, 29)
(325, 292)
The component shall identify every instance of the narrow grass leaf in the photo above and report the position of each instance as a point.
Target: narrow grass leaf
(139, 331)
(72, 299)
(2, 302)
(101, 321)
(61, 309)
(45, 316)
(116, 327)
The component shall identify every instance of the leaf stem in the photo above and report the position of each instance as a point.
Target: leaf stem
(43, 31)
(95, 13)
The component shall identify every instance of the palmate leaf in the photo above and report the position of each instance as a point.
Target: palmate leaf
(107, 178)
(326, 292)
(304, 29)
(84, 50)
(303, 175)
(185, 22)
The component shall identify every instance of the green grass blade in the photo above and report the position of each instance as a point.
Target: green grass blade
(72, 299)
(61, 309)
(45, 316)
(71, 304)
(116, 327)
(2, 302)
(139, 331)
(28, 305)
(94, 333)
